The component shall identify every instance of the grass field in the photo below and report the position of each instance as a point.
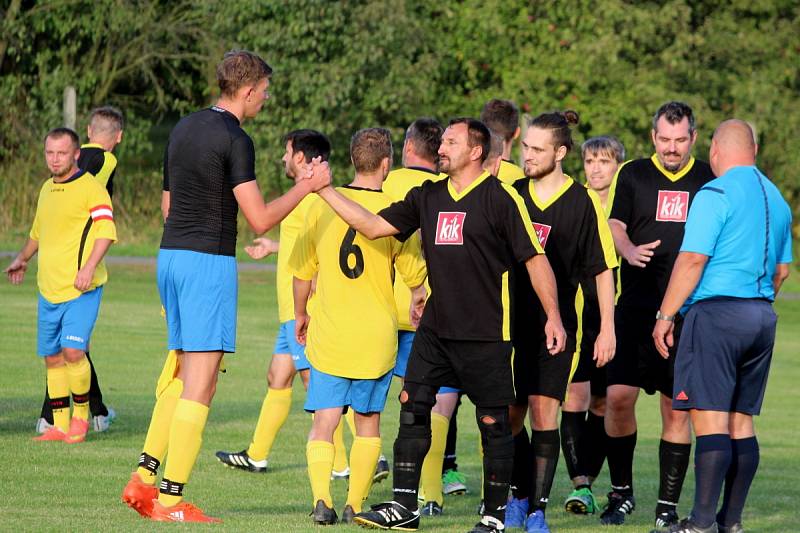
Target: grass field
(55, 487)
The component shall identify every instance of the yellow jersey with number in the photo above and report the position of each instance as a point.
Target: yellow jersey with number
(70, 216)
(353, 327)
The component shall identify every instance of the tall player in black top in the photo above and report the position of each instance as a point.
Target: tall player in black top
(474, 230)
(651, 202)
(572, 229)
(209, 173)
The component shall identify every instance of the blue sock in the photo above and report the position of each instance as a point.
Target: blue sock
(744, 464)
(712, 457)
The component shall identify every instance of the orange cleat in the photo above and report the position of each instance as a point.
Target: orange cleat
(181, 512)
(78, 428)
(52, 433)
(139, 495)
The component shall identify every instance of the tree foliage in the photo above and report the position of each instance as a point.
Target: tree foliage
(341, 66)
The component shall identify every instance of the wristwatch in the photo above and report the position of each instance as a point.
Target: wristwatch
(662, 316)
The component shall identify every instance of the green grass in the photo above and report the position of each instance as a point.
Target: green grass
(55, 487)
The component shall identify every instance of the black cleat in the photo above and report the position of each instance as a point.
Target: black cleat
(347, 515)
(665, 520)
(617, 507)
(389, 515)
(431, 509)
(241, 461)
(323, 515)
(488, 524)
(381, 470)
(735, 528)
(687, 526)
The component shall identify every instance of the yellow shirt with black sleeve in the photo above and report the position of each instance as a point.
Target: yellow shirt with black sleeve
(397, 185)
(70, 216)
(508, 172)
(290, 230)
(353, 328)
(101, 164)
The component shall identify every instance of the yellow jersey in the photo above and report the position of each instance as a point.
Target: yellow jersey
(291, 227)
(353, 327)
(397, 185)
(509, 172)
(70, 216)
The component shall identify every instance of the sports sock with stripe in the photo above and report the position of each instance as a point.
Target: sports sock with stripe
(340, 451)
(157, 439)
(620, 462)
(363, 459)
(431, 477)
(185, 439)
(319, 454)
(673, 460)
(58, 390)
(80, 377)
(274, 412)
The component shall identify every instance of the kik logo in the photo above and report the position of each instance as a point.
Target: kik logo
(542, 232)
(450, 228)
(673, 206)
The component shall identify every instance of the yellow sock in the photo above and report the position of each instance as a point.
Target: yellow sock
(319, 454)
(58, 390)
(340, 451)
(274, 412)
(431, 477)
(363, 459)
(185, 438)
(80, 378)
(157, 439)
(350, 418)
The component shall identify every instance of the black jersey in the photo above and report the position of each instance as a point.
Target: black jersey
(574, 233)
(654, 203)
(207, 156)
(471, 241)
(100, 164)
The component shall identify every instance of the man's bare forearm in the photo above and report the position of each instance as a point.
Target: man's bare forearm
(368, 224)
(301, 290)
(28, 250)
(619, 231)
(685, 276)
(605, 298)
(99, 250)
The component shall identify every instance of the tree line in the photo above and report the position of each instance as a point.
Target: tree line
(341, 66)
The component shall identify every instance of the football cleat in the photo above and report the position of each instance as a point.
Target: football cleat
(453, 483)
(516, 512)
(735, 528)
(101, 423)
(42, 425)
(180, 512)
(53, 433)
(139, 496)
(431, 509)
(581, 501)
(665, 520)
(347, 515)
(78, 428)
(488, 524)
(241, 461)
(389, 515)
(323, 515)
(381, 470)
(617, 507)
(536, 523)
(687, 526)
(341, 474)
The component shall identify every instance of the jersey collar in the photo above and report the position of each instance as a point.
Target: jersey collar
(423, 169)
(91, 145)
(459, 195)
(75, 176)
(670, 175)
(355, 188)
(550, 201)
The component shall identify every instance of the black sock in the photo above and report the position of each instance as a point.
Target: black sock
(96, 405)
(744, 464)
(712, 457)
(620, 462)
(594, 448)
(573, 426)
(673, 459)
(521, 475)
(412, 444)
(47, 410)
(544, 455)
(450, 447)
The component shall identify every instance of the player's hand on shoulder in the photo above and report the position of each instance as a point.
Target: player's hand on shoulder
(301, 327)
(605, 346)
(16, 271)
(261, 248)
(639, 256)
(83, 279)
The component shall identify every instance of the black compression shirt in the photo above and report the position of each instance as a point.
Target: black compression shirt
(207, 156)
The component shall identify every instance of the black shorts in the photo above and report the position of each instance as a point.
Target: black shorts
(587, 369)
(482, 370)
(537, 373)
(724, 355)
(637, 363)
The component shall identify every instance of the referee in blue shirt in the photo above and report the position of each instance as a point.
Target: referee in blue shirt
(734, 257)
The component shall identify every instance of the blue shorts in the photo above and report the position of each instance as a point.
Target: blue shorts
(287, 343)
(724, 355)
(362, 395)
(199, 293)
(404, 341)
(67, 324)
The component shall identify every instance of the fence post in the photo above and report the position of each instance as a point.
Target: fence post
(70, 113)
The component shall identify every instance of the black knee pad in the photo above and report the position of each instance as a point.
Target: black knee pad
(496, 436)
(415, 412)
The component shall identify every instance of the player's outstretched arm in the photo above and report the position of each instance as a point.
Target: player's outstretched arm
(544, 284)
(368, 224)
(637, 256)
(262, 247)
(606, 343)
(301, 289)
(83, 279)
(685, 276)
(16, 270)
